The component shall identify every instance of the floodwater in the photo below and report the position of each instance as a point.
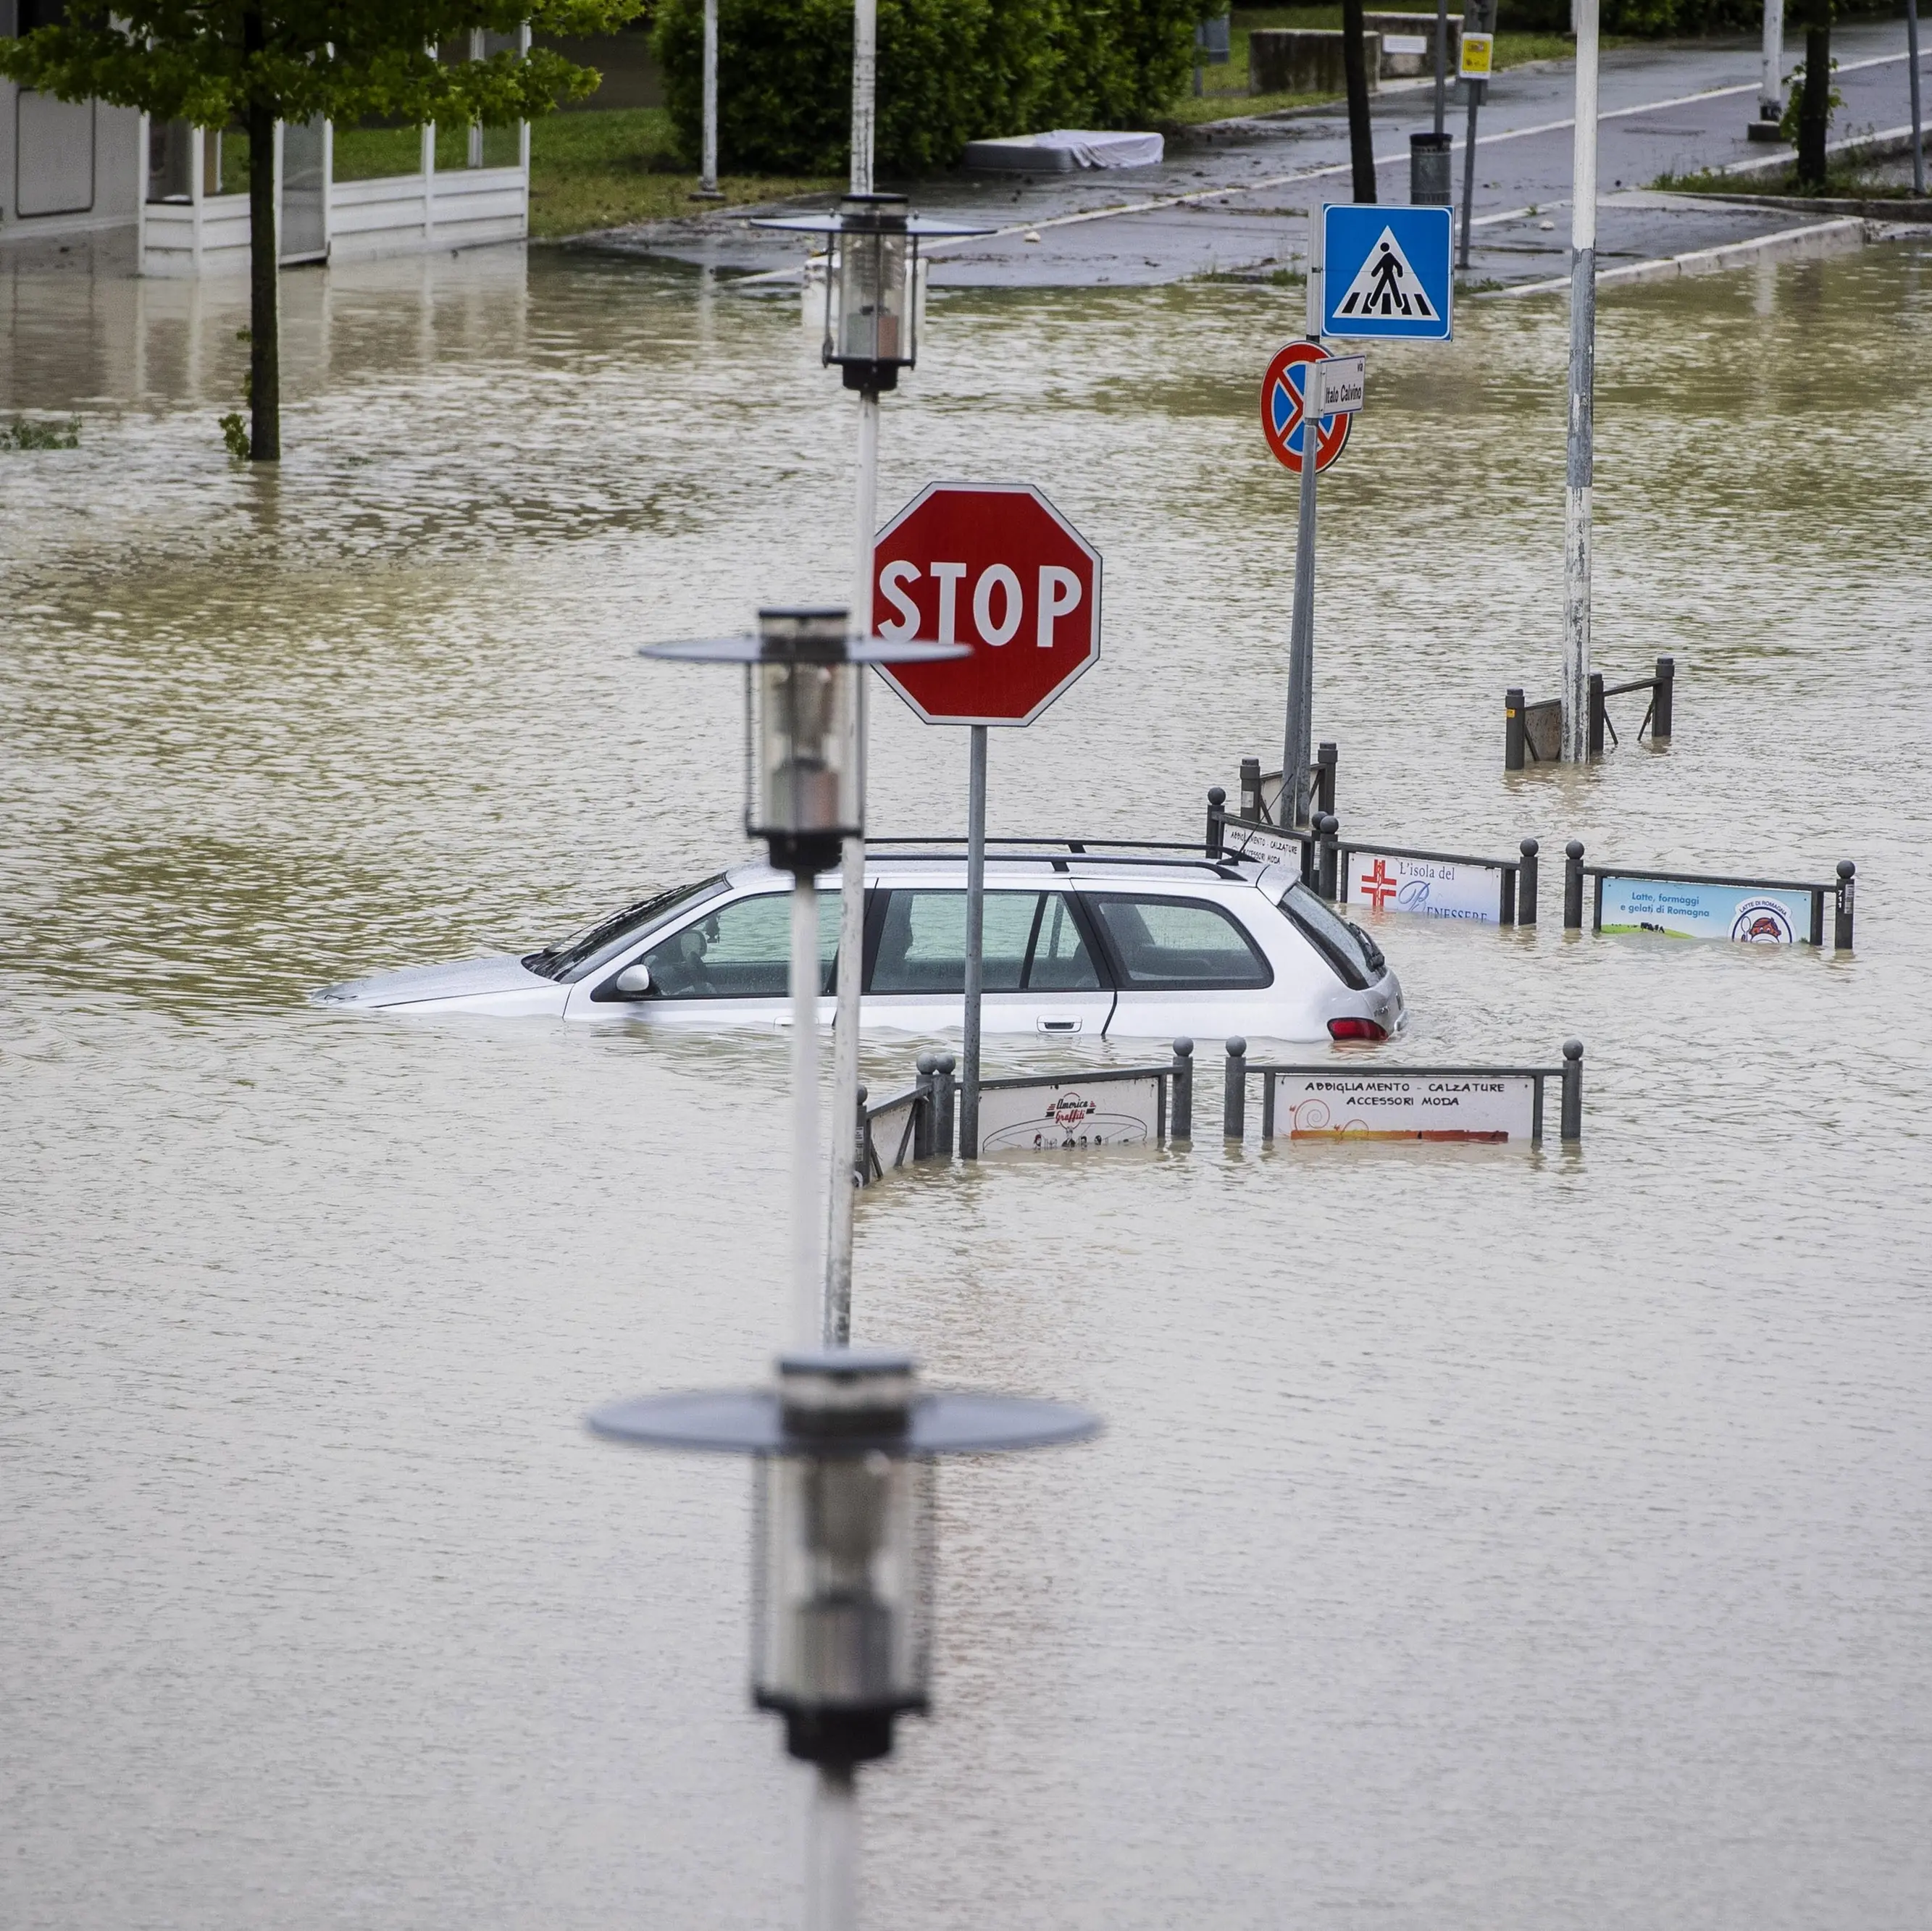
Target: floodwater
(1482, 1538)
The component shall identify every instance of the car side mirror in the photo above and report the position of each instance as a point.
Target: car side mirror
(633, 983)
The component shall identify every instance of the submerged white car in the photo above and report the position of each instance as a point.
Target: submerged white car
(1075, 943)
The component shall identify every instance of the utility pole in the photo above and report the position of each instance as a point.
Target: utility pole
(707, 189)
(1582, 384)
(1355, 77)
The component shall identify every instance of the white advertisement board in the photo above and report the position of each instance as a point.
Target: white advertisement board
(1754, 915)
(1435, 888)
(1254, 841)
(1431, 1106)
(1058, 1116)
(890, 1129)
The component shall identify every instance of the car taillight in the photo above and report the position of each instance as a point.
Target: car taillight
(1356, 1029)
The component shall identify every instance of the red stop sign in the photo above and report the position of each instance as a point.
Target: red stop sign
(996, 566)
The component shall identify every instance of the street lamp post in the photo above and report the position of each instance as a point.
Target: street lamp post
(804, 796)
(871, 332)
(842, 1554)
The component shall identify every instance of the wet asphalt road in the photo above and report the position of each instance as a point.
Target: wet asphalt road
(1235, 198)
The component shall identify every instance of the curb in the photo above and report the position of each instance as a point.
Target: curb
(1820, 238)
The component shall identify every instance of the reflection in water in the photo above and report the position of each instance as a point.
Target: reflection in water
(1480, 1539)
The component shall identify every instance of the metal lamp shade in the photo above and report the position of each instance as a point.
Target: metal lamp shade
(843, 1597)
(805, 763)
(871, 307)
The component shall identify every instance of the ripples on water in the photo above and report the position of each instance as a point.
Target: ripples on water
(1480, 1539)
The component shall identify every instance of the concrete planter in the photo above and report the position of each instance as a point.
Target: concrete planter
(1304, 60)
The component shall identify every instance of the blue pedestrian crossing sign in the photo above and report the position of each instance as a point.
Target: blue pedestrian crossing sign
(1385, 272)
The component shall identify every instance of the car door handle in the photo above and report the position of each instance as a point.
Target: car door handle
(1058, 1025)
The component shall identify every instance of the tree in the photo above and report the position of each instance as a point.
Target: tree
(1355, 76)
(1815, 102)
(222, 63)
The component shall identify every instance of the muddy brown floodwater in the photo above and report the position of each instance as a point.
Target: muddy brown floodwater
(1481, 1539)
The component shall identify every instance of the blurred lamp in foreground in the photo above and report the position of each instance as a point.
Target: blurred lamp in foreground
(842, 1548)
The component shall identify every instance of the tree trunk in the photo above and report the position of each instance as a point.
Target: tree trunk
(1354, 69)
(264, 364)
(1814, 109)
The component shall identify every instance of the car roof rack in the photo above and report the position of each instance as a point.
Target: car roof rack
(1113, 851)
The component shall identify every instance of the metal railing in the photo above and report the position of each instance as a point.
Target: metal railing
(1533, 733)
(1324, 857)
(1841, 891)
(1414, 1094)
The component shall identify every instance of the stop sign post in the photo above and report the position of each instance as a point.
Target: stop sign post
(996, 567)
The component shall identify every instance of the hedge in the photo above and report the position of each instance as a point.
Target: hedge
(950, 71)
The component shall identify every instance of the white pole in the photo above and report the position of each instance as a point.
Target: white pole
(976, 910)
(807, 1283)
(1582, 387)
(1771, 83)
(865, 91)
(707, 184)
(832, 1881)
(851, 920)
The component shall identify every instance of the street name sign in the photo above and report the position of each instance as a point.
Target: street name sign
(1386, 272)
(1340, 382)
(1282, 409)
(996, 566)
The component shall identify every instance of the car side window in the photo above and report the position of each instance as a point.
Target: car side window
(1176, 944)
(741, 951)
(1030, 941)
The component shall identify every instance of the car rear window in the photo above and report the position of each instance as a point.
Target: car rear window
(1346, 950)
(1178, 944)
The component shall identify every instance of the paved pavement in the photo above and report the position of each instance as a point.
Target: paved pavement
(1235, 197)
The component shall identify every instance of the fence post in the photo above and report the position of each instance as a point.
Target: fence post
(1659, 698)
(946, 1092)
(1572, 1089)
(1596, 714)
(1183, 1125)
(1841, 918)
(1267, 1107)
(1234, 1091)
(862, 1165)
(1217, 816)
(925, 1109)
(1251, 790)
(1573, 885)
(1308, 850)
(1525, 883)
(1326, 881)
(1512, 728)
(1324, 776)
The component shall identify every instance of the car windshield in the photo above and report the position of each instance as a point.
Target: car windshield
(582, 951)
(1332, 936)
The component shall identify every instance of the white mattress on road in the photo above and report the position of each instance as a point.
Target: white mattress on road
(1062, 149)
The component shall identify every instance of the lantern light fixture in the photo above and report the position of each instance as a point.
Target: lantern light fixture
(871, 283)
(804, 788)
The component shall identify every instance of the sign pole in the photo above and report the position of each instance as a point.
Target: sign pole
(1476, 89)
(1293, 805)
(1582, 384)
(1441, 62)
(975, 907)
(852, 856)
(1918, 127)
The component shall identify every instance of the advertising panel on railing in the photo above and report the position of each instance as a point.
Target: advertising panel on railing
(1451, 1107)
(1059, 1116)
(889, 1134)
(1434, 888)
(1754, 915)
(1258, 841)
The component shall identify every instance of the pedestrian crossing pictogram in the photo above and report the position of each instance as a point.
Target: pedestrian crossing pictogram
(1386, 285)
(1385, 272)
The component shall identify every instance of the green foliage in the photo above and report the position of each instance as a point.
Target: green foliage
(209, 61)
(235, 433)
(949, 70)
(1647, 19)
(22, 434)
(1794, 105)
